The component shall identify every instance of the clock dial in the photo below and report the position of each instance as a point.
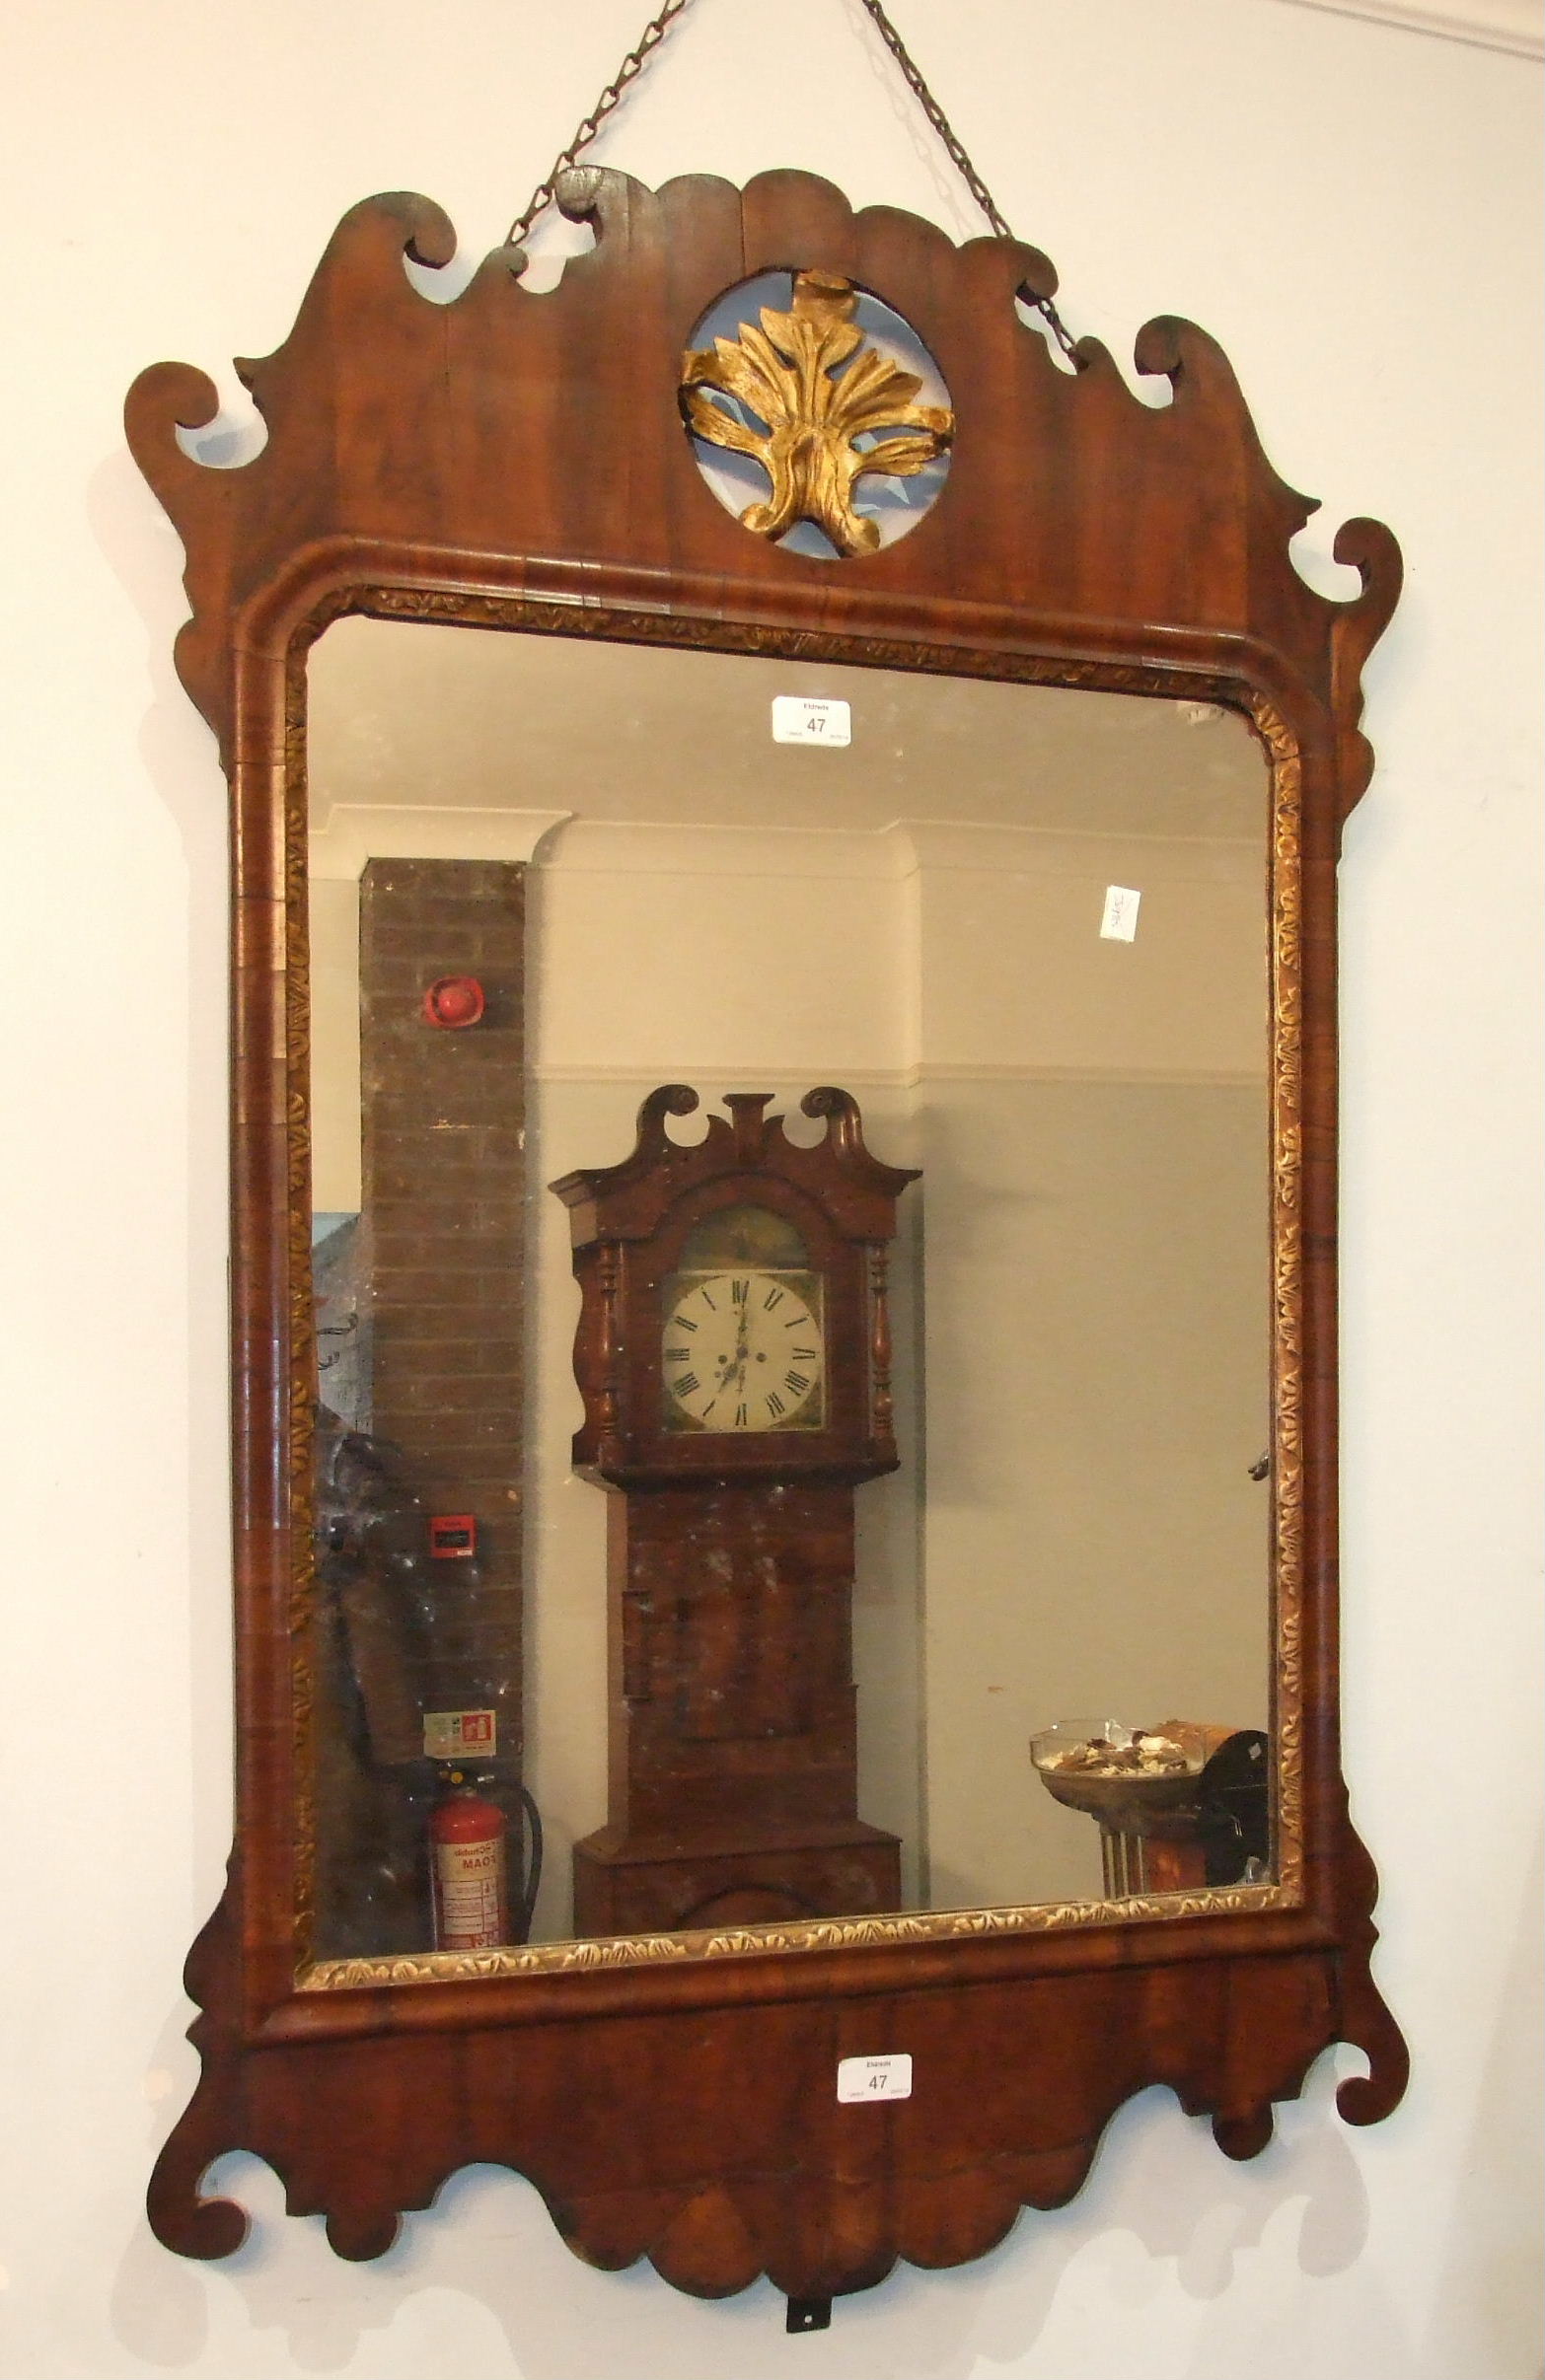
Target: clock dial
(744, 1350)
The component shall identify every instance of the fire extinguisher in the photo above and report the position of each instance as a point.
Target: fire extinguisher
(468, 1867)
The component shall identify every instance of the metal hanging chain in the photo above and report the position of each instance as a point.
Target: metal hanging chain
(956, 154)
(632, 66)
(654, 33)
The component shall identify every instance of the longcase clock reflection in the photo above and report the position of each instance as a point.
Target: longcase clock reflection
(734, 1354)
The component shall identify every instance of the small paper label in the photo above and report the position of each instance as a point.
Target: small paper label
(1118, 920)
(874, 2077)
(811, 719)
(450, 1735)
(470, 1895)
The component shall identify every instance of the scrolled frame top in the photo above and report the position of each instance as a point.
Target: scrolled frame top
(532, 444)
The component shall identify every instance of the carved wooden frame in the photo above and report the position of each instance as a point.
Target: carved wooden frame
(519, 460)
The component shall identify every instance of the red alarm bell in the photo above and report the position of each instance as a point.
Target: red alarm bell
(452, 1001)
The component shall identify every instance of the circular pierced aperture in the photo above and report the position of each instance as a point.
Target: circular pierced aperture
(817, 415)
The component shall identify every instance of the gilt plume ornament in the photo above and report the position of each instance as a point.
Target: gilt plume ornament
(791, 375)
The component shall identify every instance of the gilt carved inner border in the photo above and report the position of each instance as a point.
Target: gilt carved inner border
(1284, 844)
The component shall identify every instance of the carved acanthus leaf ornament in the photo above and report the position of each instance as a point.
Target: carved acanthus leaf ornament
(791, 375)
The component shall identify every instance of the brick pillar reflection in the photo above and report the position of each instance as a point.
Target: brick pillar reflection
(442, 1116)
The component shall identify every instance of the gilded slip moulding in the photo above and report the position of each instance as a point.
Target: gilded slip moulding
(816, 384)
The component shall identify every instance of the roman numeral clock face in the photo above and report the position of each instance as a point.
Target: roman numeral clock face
(744, 1350)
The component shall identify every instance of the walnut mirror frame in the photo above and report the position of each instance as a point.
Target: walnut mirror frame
(519, 460)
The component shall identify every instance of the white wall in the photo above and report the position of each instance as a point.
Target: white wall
(1351, 209)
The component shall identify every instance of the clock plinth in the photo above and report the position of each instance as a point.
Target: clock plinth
(651, 1885)
(734, 1355)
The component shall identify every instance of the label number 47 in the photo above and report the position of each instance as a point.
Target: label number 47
(870, 2078)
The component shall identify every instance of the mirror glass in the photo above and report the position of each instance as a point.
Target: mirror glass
(1027, 929)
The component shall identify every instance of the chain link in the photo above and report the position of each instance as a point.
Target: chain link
(632, 66)
(654, 33)
(958, 157)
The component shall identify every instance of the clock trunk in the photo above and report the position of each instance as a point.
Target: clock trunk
(733, 1791)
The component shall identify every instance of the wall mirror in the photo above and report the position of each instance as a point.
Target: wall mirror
(890, 894)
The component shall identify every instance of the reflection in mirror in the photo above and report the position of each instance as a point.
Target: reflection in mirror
(1026, 930)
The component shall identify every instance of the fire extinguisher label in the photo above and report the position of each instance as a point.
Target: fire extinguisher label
(456, 1735)
(469, 1882)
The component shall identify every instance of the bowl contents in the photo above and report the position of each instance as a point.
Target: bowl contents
(1143, 1755)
